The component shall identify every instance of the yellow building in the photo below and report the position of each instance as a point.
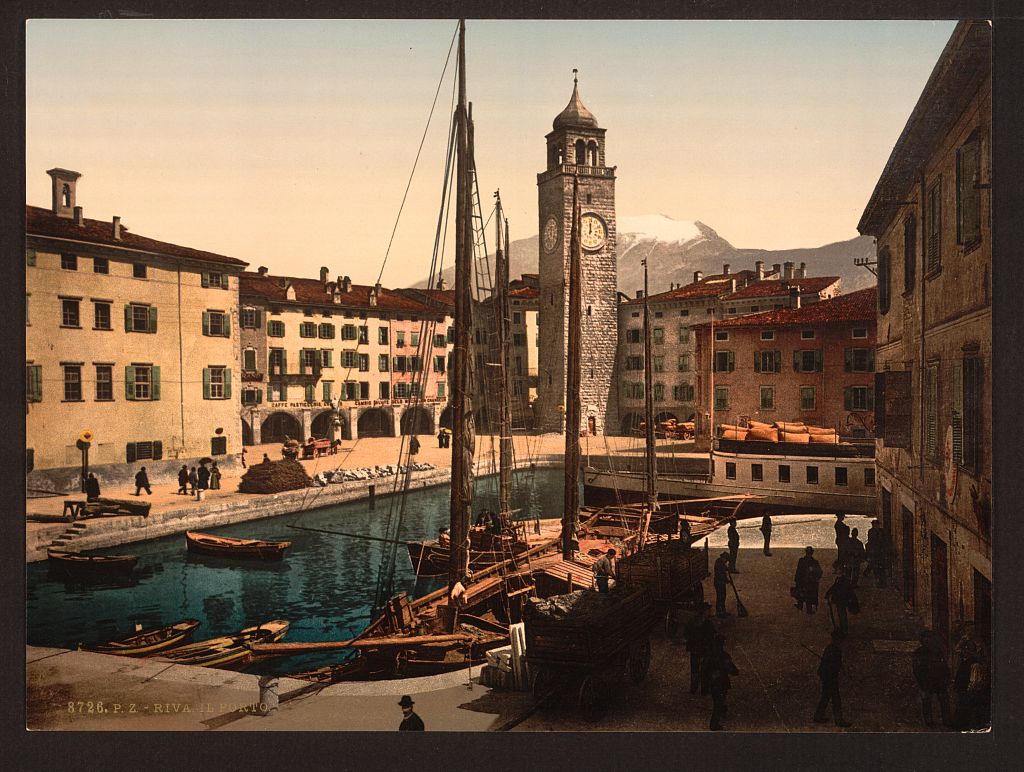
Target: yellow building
(132, 339)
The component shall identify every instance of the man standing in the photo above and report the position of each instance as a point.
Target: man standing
(193, 480)
(685, 535)
(932, 675)
(183, 480)
(808, 574)
(92, 487)
(855, 556)
(766, 531)
(700, 635)
(142, 482)
(842, 534)
(603, 570)
(719, 667)
(214, 477)
(839, 597)
(410, 721)
(734, 545)
(721, 581)
(440, 438)
(828, 673)
(877, 552)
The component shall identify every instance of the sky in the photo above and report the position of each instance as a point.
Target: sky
(290, 143)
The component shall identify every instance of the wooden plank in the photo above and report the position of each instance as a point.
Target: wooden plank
(364, 643)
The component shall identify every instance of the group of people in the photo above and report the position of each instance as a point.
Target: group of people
(199, 479)
(969, 680)
(711, 667)
(444, 438)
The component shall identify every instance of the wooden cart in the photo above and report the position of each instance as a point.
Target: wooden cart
(672, 572)
(581, 651)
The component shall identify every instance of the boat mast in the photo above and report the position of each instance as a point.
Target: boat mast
(502, 318)
(711, 400)
(650, 462)
(463, 437)
(570, 517)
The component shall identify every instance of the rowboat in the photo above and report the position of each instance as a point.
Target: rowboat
(223, 546)
(74, 562)
(230, 651)
(147, 642)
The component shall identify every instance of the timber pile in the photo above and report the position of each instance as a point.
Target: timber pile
(274, 477)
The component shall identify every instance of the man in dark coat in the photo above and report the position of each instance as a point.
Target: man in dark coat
(183, 479)
(828, 673)
(685, 536)
(193, 480)
(766, 531)
(410, 721)
(971, 680)
(839, 597)
(203, 477)
(734, 545)
(700, 635)
(92, 487)
(877, 553)
(440, 438)
(808, 574)
(719, 669)
(855, 556)
(842, 534)
(932, 675)
(721, 581)
(142, 482)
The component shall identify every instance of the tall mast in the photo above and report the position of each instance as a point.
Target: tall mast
(502, 318)
(711, 398)
(570, 516)
(463, 438)
(650, 463)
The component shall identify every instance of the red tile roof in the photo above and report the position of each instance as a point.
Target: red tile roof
(859, 306)
(43, 222)
(703, 289)
(779, 287)
(524, 292)
(313, 292)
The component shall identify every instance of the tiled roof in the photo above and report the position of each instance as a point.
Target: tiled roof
(445, 297)
(859, 306)
(43, 222)
(524, 292)
(779, 287)
(703, 289)
(313, 292)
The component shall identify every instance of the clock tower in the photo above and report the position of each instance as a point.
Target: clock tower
(575, 149)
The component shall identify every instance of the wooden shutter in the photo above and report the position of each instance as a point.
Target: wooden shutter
(152, 318)
(848, 360)
(30, 257)
(154, 386)
(869, 398)
(128, 317)
(36, 379)
(227, 383)
(284, 361)
(205, 279)
(259, 319)
(310, 395)
(871, 360)
(206, 321)
(129, 452)
(158, 450)
(732, 361)
(129, 382)
(757, 361)
(796, 361)
(206, 383)
(819, 361)
(226, 325)
(931, 411)
(848, 398)
(958, 412)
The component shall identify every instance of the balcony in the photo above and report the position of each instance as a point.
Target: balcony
(572, 169)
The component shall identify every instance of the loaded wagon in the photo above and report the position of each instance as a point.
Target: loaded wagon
(672, 572)
(578, 642)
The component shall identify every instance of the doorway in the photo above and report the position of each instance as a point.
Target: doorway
(940, 589)
(908, 556)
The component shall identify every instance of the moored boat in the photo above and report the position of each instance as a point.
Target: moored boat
(229, 651)
(74, 562)
(223, 546)
(147, 642)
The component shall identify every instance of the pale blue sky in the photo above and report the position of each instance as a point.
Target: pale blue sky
(289, 143)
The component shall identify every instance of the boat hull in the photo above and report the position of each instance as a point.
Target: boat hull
(229, 652)
(92, 564)
(147, 643)
(242, 549)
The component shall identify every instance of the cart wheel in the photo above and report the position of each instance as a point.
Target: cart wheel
(545, 681)
(671, 623)
(639, 661)
(592, 698)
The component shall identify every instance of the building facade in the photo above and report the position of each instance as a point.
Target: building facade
(128, 338)
(930, 213)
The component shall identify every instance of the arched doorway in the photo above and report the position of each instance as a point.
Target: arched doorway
(279, 426)
(374, 422)
(416, 420)
(321, 426)
(447, 418)
(246, 433)
(631, 424)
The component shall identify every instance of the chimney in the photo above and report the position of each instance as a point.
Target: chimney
(777, 270)
(787, 268)
(346, 284)
(324, 273)
(440, 282)
(759, 266)
(802, 274)
(732, 284)
(117, 227)
(79, 220)
(725, 269)
(698, 276)
(374, 294)
(794, 297)
(262, 270)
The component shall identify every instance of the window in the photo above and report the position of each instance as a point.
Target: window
(634, 362)
(216, 383)
(859, 332)
(72, 383)
(385, 390)
(248, 317)
(139, 318)
(683, 363)
(884, 269)
(139, 270)
(658, 364)
(767, 397)
(757, 472)
(767, 361)
(721, 335)
(364, 333)
(382, 336)
(725, 361)
(326, 331)
(351, 390)
(684, 334)
(326, 358)
(932, 227)
(808, 361)
(658, 314)
(307, 330)
(216, 324)
(721, 397)
(968, 195)
(859, 360)
(659, 392)
(382, 362)
(684, 312)
(909, 253)
(401, 390)
(859, 398)
(364, 390)
(783, 473)
(439, 364)
(278, 361)
(812, 475)
(767, 334)
(807, 398)
(275, 329)
(364, 363)
(142, 382)
(931, 404)
(414, 339)
(806, 334)
(634, 390)
(309, 361)
(252, 396)
(310, 392)
(214, 280)
(519, 367)
(440, 342)
(841, 475)
(100, 265)
(441, 389)
(451, 335)
(400, 339)
(104, 383)
(730, 470)
(69, 262)
(683, 392)
(518, 339)
(34, 383)
(249, 359)
(633, 335)
(517, 317)
(143, 451)
(967, 412)
(69, 313)
(398, 364)
(349, 332)
(327, 386)
(869, 476)
(349, 358)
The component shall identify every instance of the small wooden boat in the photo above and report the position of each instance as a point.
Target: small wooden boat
(147, 642)
(74, 562)
(226, 547)
(230, 651)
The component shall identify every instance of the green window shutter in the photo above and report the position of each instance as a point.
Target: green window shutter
(129, 382)
(778, 362)
(30, 257)
(302, 361)
(37, 383)
(732, 361)
(259, 319)
(152, 318)
(206, 279)
(127, 318)
(270, 395)
(958, 412)
(158, 450)
(227, 383)
(284, 361)
(819, 361)
(871, 360)
(848, 398)
(757, 361)
(206, 383)
(327, 391)
(310, 394)
(796, 361)
(129, 452)
(848, 360)
(206, 322)
(259, 395)
(154, 388)
(227, 325)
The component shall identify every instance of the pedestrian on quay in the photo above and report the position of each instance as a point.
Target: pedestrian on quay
(805, 582)
(842, 535)
(877, 553)
(734, 545)
(603, 570)
(204, 476)
(855, 557)
(242, 454)
(266, 459)
(841, 599)
(193, 480)
(971, 687)
(766, 531)
(92, 487)
(721, 581)
(700, 635)
(719, 669)
(685, 535)
(214, 477)
(829, 668)
(410, 721)
(932, 675)
(142, 482)
(440, 438)
(183, 480)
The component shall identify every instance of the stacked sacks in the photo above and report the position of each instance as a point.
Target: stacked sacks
(731, 432)
(818, 434)
(763, 433)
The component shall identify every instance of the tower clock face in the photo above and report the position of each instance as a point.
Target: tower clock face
(593, 233)
(550, 234)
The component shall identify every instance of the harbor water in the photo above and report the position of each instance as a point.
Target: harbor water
(324, 586)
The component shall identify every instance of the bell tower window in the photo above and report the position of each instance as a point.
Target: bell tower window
(66, 195)
(592, 153)
(581, 153)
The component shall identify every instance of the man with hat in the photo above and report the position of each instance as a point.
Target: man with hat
(877, 550)
(721, 581)
(411, 722)
(700, 634)
(603, 570)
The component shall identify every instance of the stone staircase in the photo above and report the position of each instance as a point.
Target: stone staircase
(67, 539)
